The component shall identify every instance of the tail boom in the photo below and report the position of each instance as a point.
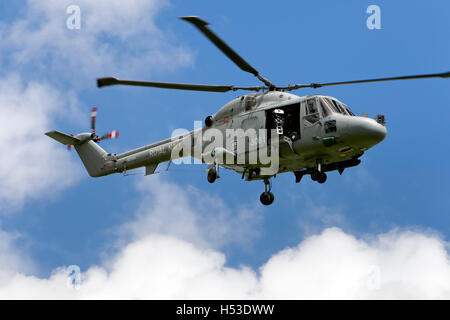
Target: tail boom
(99, 163)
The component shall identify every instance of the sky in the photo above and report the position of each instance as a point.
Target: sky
(381, 230)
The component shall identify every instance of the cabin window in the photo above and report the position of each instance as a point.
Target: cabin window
(250, 103)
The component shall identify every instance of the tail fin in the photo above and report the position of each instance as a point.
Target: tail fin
(92, 155)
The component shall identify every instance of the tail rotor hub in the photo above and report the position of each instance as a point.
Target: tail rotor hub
(114, 134)
(110, 135)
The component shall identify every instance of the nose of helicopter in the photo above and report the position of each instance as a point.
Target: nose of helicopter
(365, 131)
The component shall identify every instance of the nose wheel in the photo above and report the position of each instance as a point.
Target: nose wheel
(213, 173)
(267, 197)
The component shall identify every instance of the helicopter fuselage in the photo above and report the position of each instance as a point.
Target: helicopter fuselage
(310, 130)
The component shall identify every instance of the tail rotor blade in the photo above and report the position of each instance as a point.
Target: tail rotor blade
(93, 118)
(110, 135)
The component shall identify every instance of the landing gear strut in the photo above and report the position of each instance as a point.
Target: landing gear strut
(267, 197)
(318, 175)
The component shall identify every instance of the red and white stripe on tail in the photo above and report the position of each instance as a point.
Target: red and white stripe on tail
(69, 146)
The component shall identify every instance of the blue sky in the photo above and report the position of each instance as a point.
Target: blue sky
(67, 218)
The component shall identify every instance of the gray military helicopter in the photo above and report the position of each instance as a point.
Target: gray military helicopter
(311, 135)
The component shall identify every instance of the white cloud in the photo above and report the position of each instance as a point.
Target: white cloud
(32, 166)
(315, 215)
(176, 252)
(46, 65)
(115, 39)
(331, 265)
(189, 214)
(12, 259)
(319, 216)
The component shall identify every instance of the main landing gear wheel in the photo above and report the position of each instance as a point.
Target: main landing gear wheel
(322, 177)
(267, 197)
(317, 174)
(212, 175)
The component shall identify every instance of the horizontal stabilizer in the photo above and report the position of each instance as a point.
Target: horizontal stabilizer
(63, 138)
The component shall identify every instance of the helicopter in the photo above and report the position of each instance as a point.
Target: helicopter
(309, 135)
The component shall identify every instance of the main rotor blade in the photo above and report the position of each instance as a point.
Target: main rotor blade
(318, 85)
(166, 85)
(230, 53)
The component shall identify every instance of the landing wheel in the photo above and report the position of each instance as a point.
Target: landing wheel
(267, 198)
(315, 175)
(322, 177)
(212, 175)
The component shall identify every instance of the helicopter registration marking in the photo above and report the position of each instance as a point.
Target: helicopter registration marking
(225, 119)
(107, 166)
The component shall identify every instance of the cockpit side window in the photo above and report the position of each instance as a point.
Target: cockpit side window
(312, 112)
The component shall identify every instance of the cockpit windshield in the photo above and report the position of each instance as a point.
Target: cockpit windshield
(337, 106)
(348, 110)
